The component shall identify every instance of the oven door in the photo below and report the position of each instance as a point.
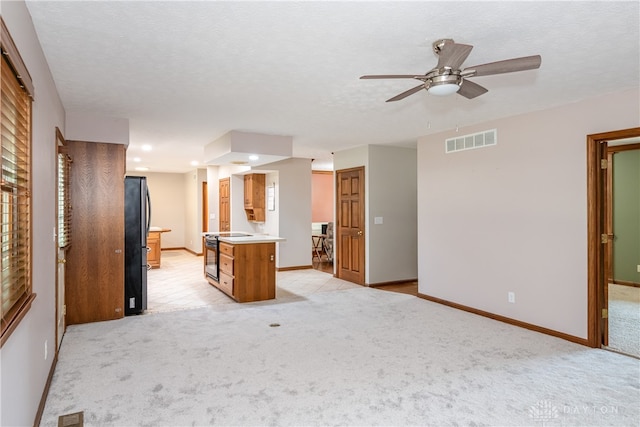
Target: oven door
(212, 258)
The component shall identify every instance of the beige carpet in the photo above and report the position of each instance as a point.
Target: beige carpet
(624, 319)
(356, 356)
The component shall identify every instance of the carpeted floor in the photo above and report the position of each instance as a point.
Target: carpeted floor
(355, 356)
(624, 319)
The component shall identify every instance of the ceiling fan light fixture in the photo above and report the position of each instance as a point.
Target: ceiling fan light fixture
(443, 85)
(443, 89)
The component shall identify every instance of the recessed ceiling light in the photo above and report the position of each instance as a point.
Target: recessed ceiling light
(194, 163)
(142, 169)
(146, 147)
(137, 159)
(253, 157)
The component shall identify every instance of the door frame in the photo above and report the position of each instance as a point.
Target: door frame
(596, 227)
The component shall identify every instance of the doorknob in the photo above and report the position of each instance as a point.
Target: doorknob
(359, 232)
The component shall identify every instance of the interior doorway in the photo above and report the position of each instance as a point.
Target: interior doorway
(601, 236)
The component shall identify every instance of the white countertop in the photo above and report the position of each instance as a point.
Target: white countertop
(251, 238)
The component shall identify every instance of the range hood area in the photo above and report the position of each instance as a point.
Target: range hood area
(248, 149)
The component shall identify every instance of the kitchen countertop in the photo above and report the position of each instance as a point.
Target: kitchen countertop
(249, 238)
(158, 230)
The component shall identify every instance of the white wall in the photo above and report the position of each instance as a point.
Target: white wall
(272, 223)
(24, 369)
(293, 210)
(213, 180)
(390, 193)
(512, 217)
(193, 209)
(89, 127)
(177, 201)
(392, 196)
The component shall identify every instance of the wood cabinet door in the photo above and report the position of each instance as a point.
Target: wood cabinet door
(153, 243)
(254, 188)
(248, 191)
(224, 200)
(94, 282)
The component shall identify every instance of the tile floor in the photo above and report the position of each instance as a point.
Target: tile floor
(180, 284)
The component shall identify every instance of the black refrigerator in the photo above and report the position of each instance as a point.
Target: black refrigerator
(137, 217)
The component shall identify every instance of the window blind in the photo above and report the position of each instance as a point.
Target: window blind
(15, 203)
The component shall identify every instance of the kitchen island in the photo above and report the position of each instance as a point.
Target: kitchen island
(241, 265)
(154, 243)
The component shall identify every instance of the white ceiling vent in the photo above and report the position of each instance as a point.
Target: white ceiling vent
(471, 141)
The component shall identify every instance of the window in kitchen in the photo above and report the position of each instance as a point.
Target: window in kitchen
(15, 205)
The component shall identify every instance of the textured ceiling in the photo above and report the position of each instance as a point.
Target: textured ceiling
(184, 73)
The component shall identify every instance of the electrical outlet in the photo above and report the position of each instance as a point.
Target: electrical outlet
(511, 297)
(638, 267)
(46, 349)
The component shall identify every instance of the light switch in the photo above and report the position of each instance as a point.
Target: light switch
(212, 216)
(377, 220)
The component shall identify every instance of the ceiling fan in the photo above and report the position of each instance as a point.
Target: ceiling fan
(448, 78)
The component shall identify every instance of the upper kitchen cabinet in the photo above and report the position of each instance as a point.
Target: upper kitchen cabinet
(254, 188)
(94, 281)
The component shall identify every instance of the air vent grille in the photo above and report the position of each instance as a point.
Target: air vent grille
(471, 141)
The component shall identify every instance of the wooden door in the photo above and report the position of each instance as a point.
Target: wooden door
(205, 206)
(350, 225)
(94, 282)
(224, 200)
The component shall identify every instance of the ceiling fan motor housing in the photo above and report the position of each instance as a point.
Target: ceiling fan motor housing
(444, 76)
(439, 44)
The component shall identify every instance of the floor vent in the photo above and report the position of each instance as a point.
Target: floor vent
(471, 141)
(71, 420)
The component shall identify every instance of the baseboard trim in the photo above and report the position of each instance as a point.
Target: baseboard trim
(295, 267)
(45, 392)
(394, 282)
(508, 320)
(625, 283)
(183, 249)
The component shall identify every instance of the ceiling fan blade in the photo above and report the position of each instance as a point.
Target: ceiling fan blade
(406, 93)
(470, 90)
(453, 55)
(506, 66)
(395, 76)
